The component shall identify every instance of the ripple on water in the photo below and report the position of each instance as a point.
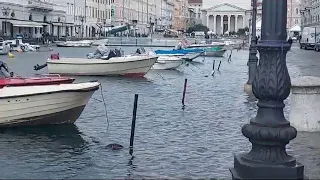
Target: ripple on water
(197, 142)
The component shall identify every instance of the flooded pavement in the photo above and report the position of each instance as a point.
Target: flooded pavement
(197, 142)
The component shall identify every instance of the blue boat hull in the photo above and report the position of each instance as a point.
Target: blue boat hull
(180, 51)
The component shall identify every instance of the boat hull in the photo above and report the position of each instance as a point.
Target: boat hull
(136, 67)
(63, 107)
(215, 53)
(191, 56)
(74, 44)
(167, 63)
(180, 51)
(16, 81)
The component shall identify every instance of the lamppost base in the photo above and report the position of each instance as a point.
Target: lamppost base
(244, 169)
(248, 89)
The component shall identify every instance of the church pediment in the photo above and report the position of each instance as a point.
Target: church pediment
(225, 7)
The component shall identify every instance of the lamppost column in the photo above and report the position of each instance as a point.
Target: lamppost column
(253, 59)
(269, 132)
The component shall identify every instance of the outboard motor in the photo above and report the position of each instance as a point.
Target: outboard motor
(55, 56)
(118, 52)
(138, 51)
(112, 54)
(141, 51)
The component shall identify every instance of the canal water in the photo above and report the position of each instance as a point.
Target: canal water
(197, 142)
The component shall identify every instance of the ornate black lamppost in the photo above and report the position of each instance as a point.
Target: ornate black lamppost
(269, 132)
(5, 12)
(253, 59)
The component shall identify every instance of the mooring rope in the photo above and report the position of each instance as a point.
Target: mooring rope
(105, 106)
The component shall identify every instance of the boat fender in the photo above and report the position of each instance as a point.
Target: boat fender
(10, 55)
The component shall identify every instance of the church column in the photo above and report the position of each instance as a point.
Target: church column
(221, 22)
(236, 23)
(214, 24)
(229, 23)
(208, 20)
(243, 22)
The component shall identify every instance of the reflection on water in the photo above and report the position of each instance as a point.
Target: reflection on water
(62, 136)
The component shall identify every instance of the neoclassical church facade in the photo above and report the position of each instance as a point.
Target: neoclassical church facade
(226, 17)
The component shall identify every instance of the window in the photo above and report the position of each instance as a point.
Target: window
(297, 11)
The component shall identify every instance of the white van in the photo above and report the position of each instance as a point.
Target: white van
(309, 36)
(199, 34)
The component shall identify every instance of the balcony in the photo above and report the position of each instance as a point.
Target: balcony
(40, 5)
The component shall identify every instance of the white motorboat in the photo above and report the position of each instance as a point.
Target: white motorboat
(167, 62)
(84, 43)
(17, 45)
(44, 104)
(204, 45)
(4, 47)
(100, 41)
(116, 66)
(186, 57)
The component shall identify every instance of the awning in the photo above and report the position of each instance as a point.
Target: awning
(295, 28)
(17, 23)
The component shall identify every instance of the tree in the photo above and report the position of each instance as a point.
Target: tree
(241, 31)
(198, 27)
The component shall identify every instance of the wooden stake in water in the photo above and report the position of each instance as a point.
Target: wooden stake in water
(219, 66)
(212, 73)
(184, 92)
(133, 125)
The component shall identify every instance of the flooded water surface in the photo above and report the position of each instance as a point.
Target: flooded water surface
(197, 142)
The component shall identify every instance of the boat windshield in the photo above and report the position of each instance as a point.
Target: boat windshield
(3, 70)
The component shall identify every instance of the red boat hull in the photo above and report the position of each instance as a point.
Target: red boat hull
(34, 81)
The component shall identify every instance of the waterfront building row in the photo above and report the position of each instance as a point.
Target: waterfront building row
(82, 18)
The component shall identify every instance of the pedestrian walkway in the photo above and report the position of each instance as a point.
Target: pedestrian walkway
(303, 62)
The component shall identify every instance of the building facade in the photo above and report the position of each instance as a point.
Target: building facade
(222, 16)
(164, 14)
(293, 13)
(310, 13)
(89, 16)
(196, 7)
(226, 18)
(181, 10)
(31, 18)
(139, 13)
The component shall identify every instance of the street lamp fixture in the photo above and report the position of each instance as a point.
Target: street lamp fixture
(270, 132)
(5, 12)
